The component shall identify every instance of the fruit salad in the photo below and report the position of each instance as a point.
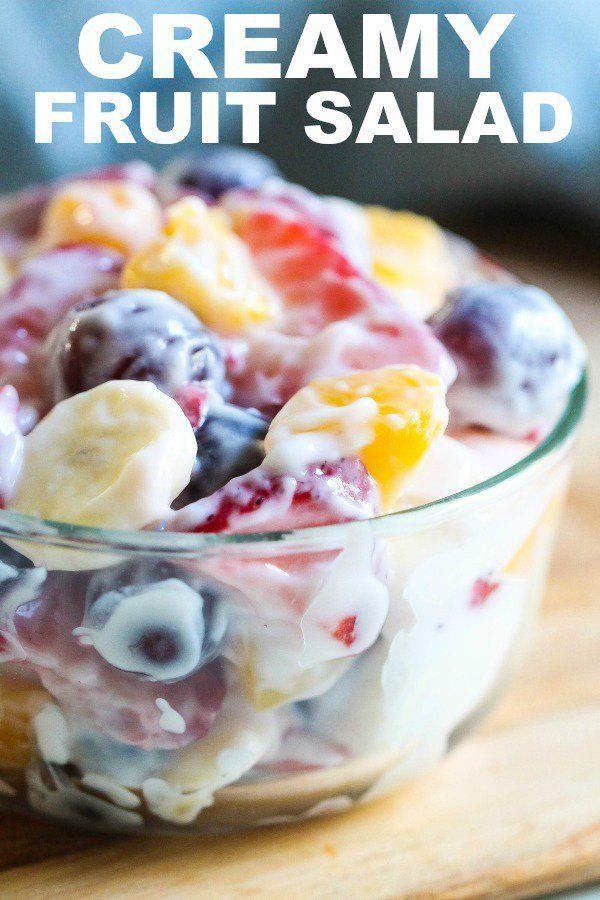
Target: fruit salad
(278, 479)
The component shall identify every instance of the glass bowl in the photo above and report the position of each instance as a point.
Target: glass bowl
(177, 682)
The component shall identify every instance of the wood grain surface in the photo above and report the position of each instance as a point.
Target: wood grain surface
(512, 812)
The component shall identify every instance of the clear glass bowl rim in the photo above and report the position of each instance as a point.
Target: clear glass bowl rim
(14, 525)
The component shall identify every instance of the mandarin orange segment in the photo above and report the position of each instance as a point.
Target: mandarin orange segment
(117, 214)
(200, 262)
(387, 417)
(410, 257)
(19, 704)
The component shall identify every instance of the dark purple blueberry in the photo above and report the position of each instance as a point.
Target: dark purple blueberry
(517, 355)
(214, 171)
(135, 334)
(230, 443)
(155, 621)
(158, 645)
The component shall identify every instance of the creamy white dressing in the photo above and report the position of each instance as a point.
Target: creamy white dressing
(318, 432)
(66, 802)
(170, 719)
(448, 467)
(52, 735)
(352, 603)
(111, 789)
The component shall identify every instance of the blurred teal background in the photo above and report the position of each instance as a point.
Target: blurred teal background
(552, 45)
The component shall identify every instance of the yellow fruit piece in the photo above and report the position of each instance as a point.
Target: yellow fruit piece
(19, 704)
(112, 457)
(262, 697)
(266, 691)
(204, 265)
(388, 418)
(410, 258)
(116, 214)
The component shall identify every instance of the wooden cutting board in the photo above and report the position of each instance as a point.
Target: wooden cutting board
(512, 812)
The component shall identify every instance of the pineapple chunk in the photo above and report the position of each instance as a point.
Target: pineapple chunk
(201, 263)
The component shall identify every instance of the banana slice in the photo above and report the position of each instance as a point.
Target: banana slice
(112, 457)
(239, 739)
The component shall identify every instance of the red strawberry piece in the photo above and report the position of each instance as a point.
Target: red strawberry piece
(304, 264)
(481, 590)
(53, 282)
(277, 365)
(326, 493)
(194, 400)
(345, 631)
(335, 319)
(47, 288)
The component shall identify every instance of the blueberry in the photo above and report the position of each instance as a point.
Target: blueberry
(141, 335)
(216, 170)
(230, 443)
(159, 645)
(517, 355)
(157, 622)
